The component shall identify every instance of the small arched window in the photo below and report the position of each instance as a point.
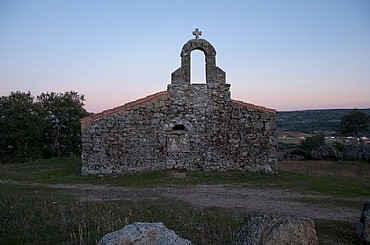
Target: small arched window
(179, 127)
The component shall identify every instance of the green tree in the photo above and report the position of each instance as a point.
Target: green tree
(47, 127)
(62, 112)
(354, 123)
(20, 127)
(311, 143)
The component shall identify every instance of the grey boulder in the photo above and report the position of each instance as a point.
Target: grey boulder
(272, 230)
(143, 234)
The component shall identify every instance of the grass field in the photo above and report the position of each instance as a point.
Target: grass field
(33, 212)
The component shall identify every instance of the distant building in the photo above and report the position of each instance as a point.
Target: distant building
(351, 139)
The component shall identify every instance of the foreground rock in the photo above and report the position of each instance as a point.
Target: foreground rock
(363, 226)
(143, 234)
(271, 230)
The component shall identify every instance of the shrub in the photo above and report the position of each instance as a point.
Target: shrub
(313, 142)
(340, 146)
(298, 152)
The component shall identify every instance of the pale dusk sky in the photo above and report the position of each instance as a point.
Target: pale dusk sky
(286, 54)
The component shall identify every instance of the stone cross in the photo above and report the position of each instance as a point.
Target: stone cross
(197, 33)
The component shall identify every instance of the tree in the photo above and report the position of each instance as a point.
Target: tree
(62, 113)
(20, 127)
(354, 123)
(46, 127)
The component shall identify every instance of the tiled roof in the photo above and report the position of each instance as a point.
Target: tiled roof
(257, 107)
(155, 96)
(122, 107)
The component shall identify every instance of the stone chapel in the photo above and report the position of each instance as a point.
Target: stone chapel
(189, 126)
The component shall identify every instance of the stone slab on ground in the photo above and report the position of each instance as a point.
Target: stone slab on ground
(144, 234)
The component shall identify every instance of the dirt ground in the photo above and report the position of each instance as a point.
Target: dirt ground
(238, 198)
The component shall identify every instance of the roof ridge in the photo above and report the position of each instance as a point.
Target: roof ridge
(131, 104)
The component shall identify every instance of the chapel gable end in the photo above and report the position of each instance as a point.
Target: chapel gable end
(189, 126)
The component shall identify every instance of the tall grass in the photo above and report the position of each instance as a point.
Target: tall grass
(40, 220)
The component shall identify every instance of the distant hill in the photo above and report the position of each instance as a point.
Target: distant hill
(312, 120)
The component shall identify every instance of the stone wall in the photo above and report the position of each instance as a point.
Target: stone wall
(189, 126)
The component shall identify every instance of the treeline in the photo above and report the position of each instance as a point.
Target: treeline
(310, 121)
(44, 126)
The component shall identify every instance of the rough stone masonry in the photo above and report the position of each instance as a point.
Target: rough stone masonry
(189, 126)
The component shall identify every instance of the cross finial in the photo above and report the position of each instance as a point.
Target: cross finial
(197, 33)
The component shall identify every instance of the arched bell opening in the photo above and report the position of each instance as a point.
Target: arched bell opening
(197, 67)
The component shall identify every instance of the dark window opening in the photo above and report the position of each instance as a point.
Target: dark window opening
(179, 127)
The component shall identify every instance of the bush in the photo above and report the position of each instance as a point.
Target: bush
(313, 142)
(298, 152)
(340, 146)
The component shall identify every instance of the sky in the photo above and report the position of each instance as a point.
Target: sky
(286, 54)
